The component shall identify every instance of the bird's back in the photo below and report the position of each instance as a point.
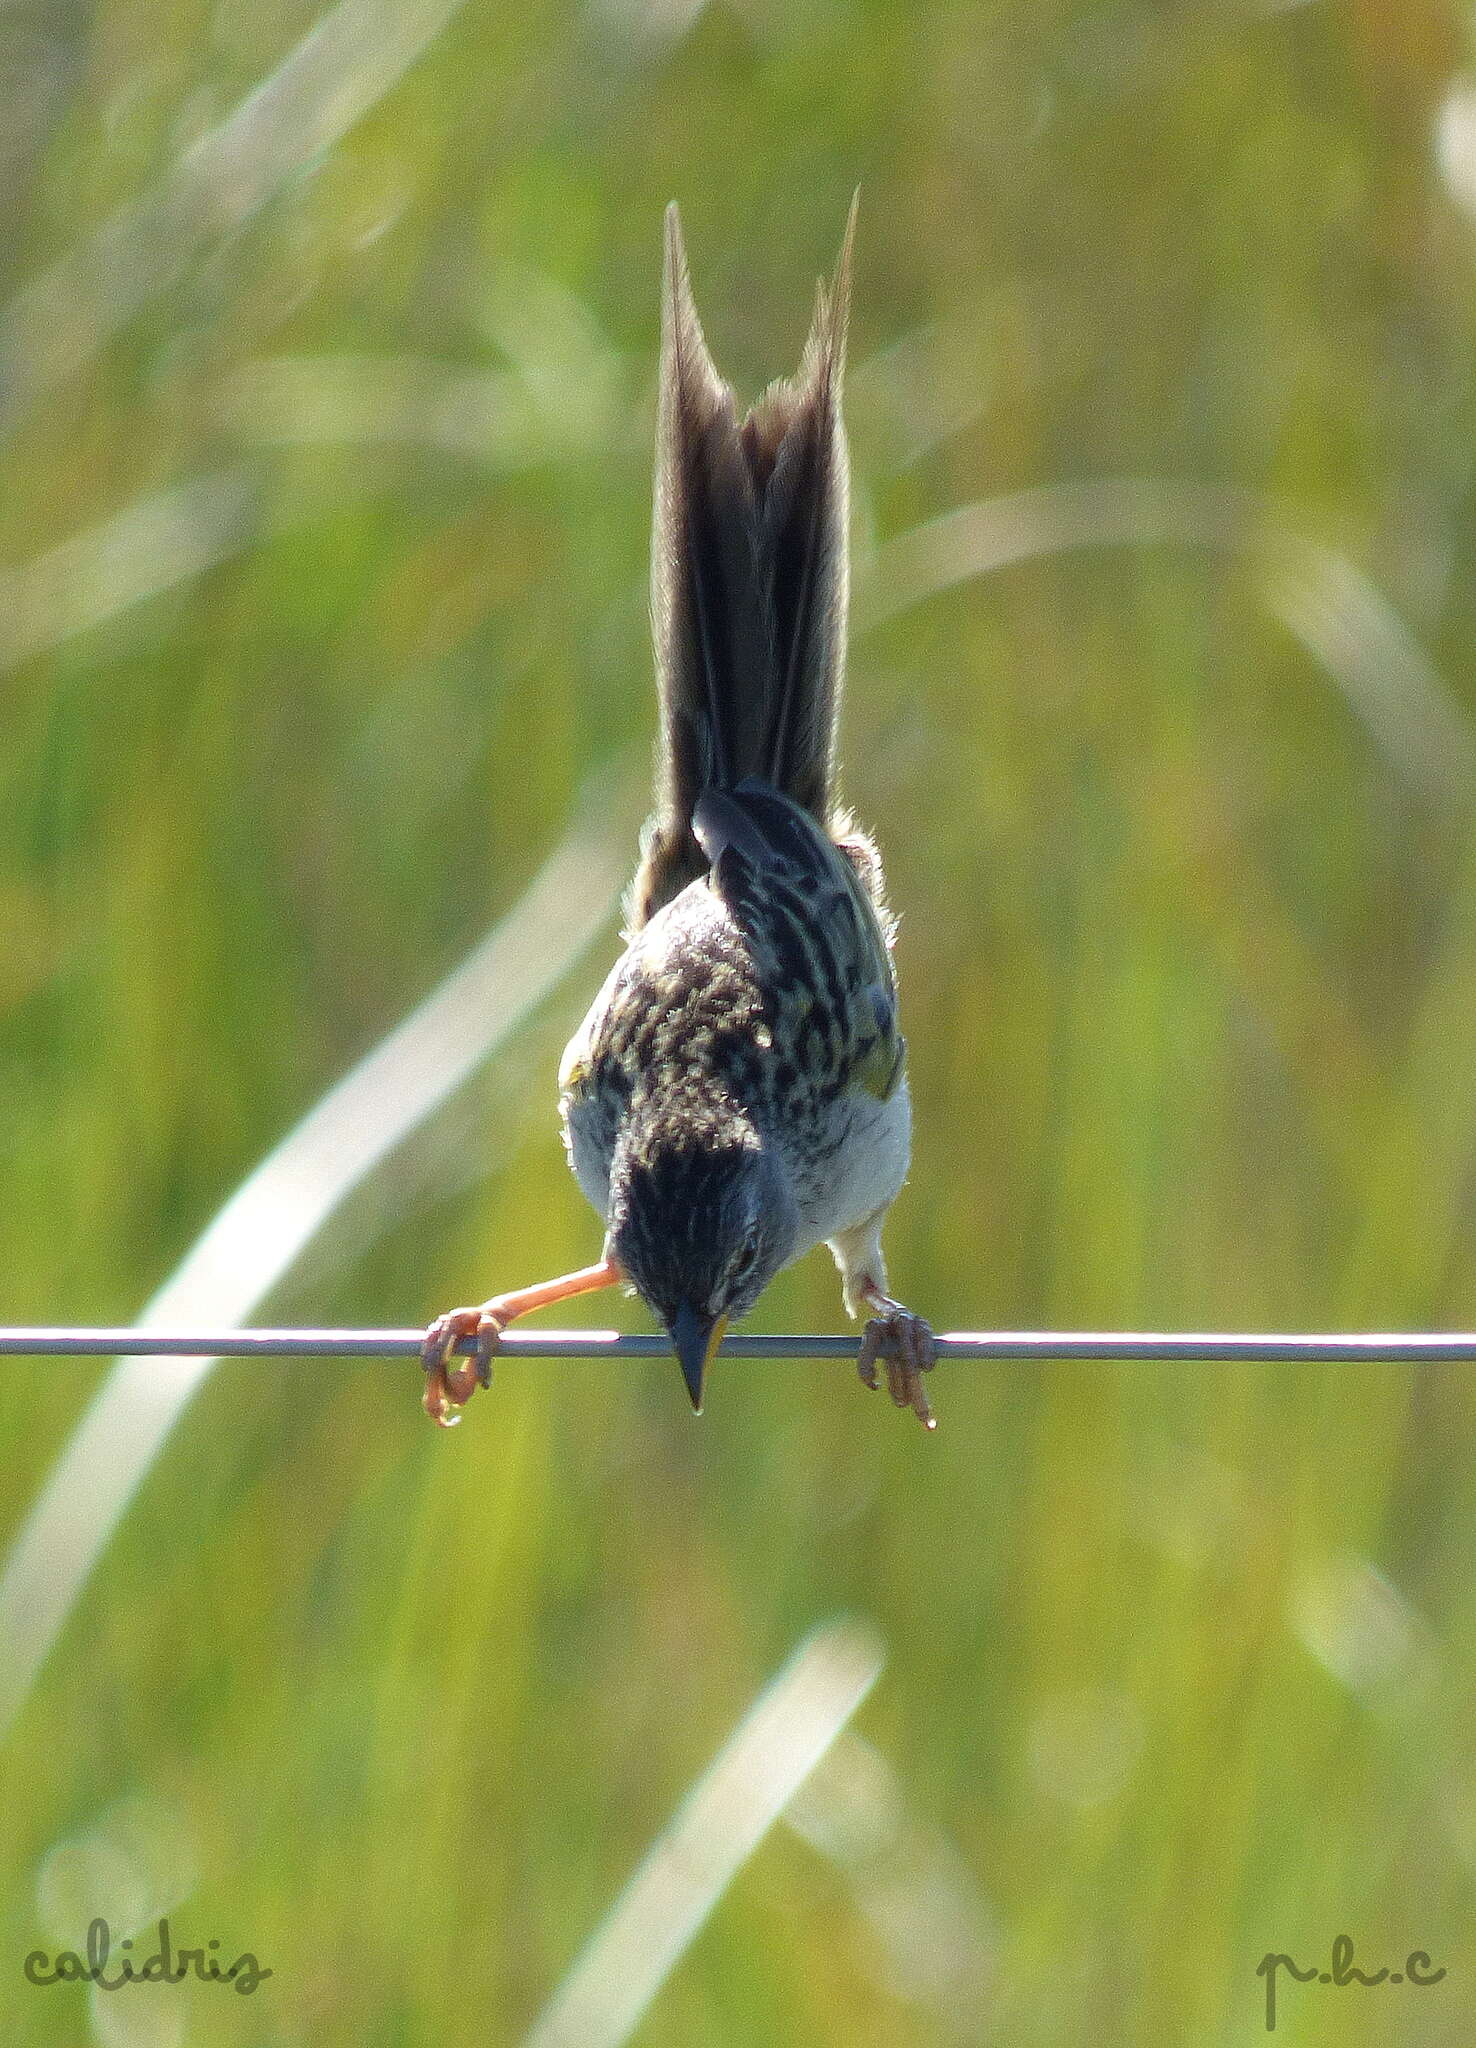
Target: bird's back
(760, 998)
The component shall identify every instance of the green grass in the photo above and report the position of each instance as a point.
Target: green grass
(1180, 1659)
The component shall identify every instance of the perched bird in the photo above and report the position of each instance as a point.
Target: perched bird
(736, 1094)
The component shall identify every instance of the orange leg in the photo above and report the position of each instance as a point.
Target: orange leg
(906, 1344)
(446, 1384)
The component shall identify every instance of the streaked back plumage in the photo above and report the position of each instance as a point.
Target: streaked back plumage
(749, 578)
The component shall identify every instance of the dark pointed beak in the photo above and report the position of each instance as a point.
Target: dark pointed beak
(696, 1338)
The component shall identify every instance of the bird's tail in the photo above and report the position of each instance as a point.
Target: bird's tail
(748, 576)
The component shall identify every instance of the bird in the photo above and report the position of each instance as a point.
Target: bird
(737, 1093)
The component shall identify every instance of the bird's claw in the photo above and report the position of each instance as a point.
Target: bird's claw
(448, 1385)
(905, 1344)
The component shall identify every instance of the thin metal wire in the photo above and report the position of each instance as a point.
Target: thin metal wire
(1415, 1347)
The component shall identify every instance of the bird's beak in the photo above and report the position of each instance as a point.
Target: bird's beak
(696, 1338)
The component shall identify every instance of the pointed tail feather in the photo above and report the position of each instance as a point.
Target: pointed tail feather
(748, 576)
(796, 446)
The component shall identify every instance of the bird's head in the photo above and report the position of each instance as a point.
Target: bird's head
(700, 1222)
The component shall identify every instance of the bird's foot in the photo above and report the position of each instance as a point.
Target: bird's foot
(448, 1385)
(904, 1343)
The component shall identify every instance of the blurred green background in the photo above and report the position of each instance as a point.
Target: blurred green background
(326, 383)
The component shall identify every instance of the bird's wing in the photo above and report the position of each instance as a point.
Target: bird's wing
(809, 916)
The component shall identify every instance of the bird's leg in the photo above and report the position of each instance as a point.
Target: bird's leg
(446, 1384)
(902, 1340)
